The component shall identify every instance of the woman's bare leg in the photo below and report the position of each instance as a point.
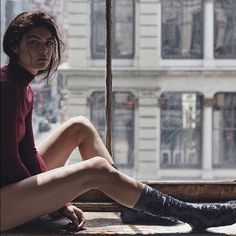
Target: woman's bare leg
(49, 191)
(76, 132)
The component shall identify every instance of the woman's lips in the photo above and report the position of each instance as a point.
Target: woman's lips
(43, 59)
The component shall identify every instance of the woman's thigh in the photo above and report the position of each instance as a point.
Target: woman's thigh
(58, 145)
(42, 194)
(76, 132)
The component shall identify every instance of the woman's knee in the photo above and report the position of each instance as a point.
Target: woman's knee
(100, 170)
(80, 126)
(100, 164)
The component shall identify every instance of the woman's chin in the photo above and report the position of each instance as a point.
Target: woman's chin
(41, 66)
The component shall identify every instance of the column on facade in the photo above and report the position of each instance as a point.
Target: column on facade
(208, 33)
(77, 33)
(147, 136)
(148, 36)
(207, 139)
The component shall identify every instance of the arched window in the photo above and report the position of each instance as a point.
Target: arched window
(225, 29)
(181, 129)
(182, 29)
(122, 125)
(224, 130)
(122, 29)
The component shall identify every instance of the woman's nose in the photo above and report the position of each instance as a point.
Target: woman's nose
(43, 47)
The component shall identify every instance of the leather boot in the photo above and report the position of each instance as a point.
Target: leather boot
(198, 216)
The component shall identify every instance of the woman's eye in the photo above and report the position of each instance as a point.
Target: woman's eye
(34, 43)
(50, 44)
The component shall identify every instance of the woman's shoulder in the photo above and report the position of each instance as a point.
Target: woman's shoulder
(7, 85)
(5, 76)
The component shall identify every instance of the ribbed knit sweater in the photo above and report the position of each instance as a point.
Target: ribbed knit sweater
(19, 157)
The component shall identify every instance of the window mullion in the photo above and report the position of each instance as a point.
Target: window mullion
(207, 138)
(208, 32)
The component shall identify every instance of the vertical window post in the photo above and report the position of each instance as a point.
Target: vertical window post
(108, 97)
(208, 32)
(207, 138)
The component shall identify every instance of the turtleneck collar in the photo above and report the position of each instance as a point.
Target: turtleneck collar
(20, 75)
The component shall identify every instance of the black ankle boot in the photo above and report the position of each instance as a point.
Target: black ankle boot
(198, 216)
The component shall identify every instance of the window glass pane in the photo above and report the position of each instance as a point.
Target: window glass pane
(225, 29)
(123, 124)
(122, 29)
(46, 106)
(98, 29)
(123, 45)
(181, 129)
(182, 29)
(224, 130)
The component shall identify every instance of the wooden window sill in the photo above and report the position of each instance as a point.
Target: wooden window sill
(109, 223)
(202, 191)
(102, 213)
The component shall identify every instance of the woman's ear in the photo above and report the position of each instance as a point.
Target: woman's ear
(15, 49)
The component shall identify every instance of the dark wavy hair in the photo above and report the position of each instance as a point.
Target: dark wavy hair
(25, 22)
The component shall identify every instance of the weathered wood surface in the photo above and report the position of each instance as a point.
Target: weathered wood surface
(109, 223)
(188, 191)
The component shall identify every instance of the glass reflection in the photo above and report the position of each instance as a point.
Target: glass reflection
(122, 124)
(182, 29)
(181, 129)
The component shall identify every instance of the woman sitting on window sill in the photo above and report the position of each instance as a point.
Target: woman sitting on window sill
(36, 182)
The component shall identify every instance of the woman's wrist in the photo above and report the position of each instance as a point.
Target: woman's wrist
(61, 210)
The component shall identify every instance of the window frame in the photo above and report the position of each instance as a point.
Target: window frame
(199, 190)
(200, 109)
(192, 191)
(181, 57)
(221, 128)
(131, 161)
(212, 191)
(94, 55)
(232, 57)
(208, 61)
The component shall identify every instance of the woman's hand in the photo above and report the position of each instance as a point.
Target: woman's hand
(75, 215)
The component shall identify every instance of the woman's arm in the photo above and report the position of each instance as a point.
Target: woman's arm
(12, 168)
(28, 151)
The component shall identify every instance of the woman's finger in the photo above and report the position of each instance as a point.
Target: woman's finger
(80, 217)
(82, 223)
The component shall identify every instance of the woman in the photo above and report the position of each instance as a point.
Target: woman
(36, 179)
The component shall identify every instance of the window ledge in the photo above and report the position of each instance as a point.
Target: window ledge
(109, 223)
(102, 213)
(135, 73)
(193, 191)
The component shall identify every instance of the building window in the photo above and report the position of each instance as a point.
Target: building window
(225, 29)
(181, 130)
(122, 29)
(182, 29)
(224, 130)
(122, 124)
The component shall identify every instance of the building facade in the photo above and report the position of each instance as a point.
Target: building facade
(174, 83)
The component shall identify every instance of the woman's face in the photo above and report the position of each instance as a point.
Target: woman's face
(35, 49)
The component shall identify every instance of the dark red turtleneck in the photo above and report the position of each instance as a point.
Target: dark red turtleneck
(19, 157)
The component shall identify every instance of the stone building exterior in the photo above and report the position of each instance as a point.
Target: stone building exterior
(150, 74)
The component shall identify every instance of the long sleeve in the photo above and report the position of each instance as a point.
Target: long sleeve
(28, 152)
(12, 168)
